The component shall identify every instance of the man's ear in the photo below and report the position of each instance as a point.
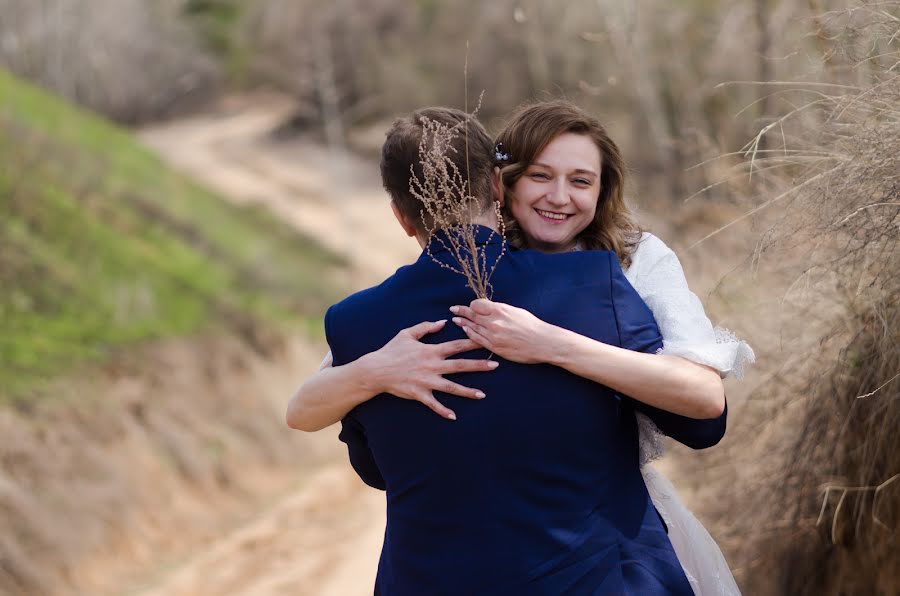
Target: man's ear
(497, 187)
(404, 221)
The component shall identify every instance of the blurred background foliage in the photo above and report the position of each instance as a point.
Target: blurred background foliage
(650, 68)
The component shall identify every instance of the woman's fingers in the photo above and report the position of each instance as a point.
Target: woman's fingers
(437, 407)
(452, 388)
(464, 312)
(469, 324)
(422, 329)
(472, 333)
(482, 306)
(462, 365)
(456, 346)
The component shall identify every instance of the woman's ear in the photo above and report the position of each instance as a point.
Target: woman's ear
(497, 187)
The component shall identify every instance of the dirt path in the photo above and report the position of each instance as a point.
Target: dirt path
(332, 196)
(323, 539)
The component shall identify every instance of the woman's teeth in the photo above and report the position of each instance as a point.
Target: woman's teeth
(551, 215)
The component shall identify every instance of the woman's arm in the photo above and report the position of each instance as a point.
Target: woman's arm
(666, 382)
(404, 367)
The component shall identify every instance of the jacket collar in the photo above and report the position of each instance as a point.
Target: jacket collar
(440, 241)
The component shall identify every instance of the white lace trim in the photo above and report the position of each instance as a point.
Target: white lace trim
(651, 444)
(728, 354)
(658, 277)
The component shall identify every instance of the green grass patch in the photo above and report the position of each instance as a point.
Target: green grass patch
(101, 246)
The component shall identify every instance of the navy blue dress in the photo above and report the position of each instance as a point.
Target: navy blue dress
(537, 489)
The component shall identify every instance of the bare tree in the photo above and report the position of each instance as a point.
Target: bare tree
(129, 59)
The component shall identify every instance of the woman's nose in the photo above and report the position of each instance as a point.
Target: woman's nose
(558, 195)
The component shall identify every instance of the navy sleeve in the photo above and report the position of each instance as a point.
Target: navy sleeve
(361, 458)
(696, 434)
(637, 327)
(638, 332)
(331, 335)
(352, 431)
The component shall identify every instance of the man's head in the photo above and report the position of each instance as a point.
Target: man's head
(401, 152)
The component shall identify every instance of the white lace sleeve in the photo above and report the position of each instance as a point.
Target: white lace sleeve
(656, 274)
(686, 331)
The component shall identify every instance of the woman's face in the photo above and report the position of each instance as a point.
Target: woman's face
(556, 197)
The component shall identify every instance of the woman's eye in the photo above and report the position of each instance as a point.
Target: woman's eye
(582, 181)
(540, 176)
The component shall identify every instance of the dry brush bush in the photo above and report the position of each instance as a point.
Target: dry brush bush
(128, 59)
(806, 496)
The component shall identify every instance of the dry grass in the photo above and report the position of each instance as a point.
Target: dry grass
(807, 497)
(450, 207)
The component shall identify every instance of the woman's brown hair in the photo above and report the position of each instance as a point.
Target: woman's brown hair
(528, 131)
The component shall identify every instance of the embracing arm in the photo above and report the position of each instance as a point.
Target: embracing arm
(330, 394)
(668, 383)
(665, 382)
(404, 367)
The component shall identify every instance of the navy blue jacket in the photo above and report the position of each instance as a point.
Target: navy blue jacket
(537, 488)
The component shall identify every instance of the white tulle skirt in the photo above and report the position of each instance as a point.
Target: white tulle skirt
(700, 557)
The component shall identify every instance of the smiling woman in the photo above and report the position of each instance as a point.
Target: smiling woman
(556, 198)
(563, 177)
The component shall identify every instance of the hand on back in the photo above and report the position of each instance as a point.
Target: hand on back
(410, 369)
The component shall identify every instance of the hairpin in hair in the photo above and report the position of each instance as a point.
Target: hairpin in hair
(499, 154)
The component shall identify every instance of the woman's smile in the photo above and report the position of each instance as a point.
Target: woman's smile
(552, 216)
(556, 198)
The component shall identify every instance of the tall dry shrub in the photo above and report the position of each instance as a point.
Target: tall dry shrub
(805, 496)
(131, 60)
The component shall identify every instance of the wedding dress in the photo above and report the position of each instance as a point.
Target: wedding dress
(656, 274)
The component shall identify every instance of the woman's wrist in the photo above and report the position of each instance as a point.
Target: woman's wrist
(368, 376)
(571, 351)
(556, 345)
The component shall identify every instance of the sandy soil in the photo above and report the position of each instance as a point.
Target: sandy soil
(322, 539)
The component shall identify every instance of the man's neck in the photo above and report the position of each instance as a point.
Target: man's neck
(486, 219)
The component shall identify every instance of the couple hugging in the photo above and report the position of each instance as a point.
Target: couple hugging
(523, 468)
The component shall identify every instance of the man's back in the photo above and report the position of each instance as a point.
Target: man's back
(534, 490)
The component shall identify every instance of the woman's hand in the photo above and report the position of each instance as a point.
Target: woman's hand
(510, 332)
(413, 370)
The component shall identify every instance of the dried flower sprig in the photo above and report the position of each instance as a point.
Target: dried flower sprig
(450, 207)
